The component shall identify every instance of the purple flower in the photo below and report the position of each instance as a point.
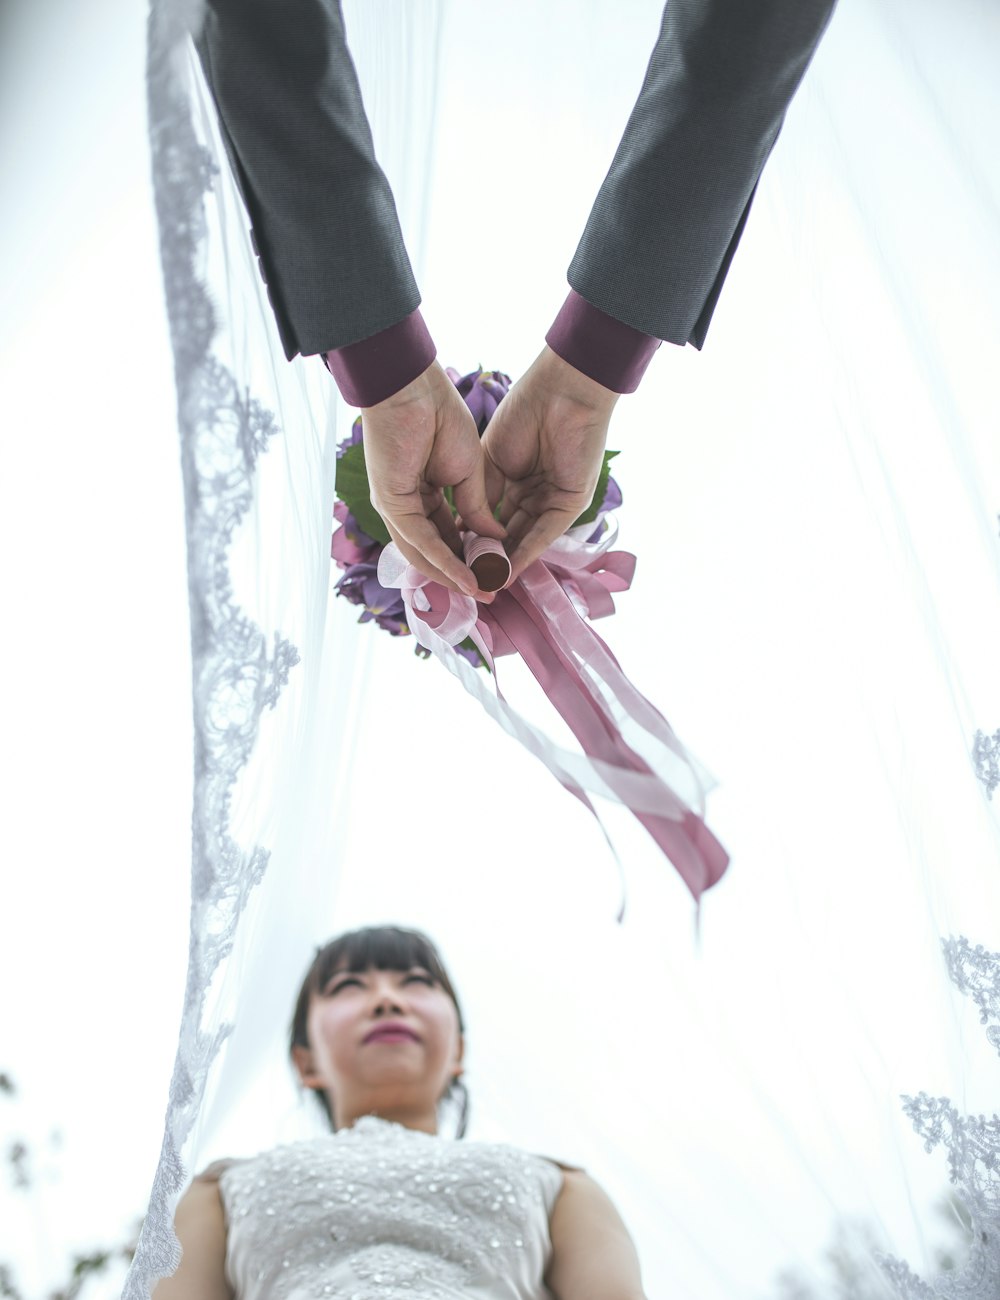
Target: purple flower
(612, 500)
(351, 584)
(612, 497)
(350, 544)
(393, 625)
(482, 391)
(470, 653)
(353, 438)
(361, 586)
(381, 601)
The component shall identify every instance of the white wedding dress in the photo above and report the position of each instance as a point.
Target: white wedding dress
(382, 1212)
(814, 502)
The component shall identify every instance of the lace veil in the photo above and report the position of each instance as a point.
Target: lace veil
(814, 504)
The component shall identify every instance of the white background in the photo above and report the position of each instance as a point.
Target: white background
(813, 502)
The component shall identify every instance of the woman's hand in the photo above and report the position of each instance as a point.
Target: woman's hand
(418, 442)
(544, 449)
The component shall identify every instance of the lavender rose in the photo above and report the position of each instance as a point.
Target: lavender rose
(352, 439)
(384, 605)
(350, 544)
(482, 392)
(612, 500)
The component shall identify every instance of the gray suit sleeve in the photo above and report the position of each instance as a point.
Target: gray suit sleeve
(667, 220)
(324, 222)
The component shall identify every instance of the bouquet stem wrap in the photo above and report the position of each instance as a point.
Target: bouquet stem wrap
(630, 753)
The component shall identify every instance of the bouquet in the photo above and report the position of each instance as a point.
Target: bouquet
(630, 753)
(361, 537)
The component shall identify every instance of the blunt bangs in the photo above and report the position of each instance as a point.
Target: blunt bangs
(383, 947)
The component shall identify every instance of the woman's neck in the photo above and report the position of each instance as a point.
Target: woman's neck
(420, 1120)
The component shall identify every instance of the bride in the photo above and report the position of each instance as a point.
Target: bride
(851, 885)
(385, 1206)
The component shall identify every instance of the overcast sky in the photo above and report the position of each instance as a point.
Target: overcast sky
(804, 498)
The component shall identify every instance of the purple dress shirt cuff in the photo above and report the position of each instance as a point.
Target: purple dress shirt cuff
(369, 371)
(601, 346)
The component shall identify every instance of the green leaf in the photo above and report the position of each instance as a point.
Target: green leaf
(469, 644)
(353, 489)
(590, 514)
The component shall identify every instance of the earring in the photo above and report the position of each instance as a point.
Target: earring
(458, 1093)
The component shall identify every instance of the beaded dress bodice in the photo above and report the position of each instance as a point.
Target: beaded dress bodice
(382, 1212)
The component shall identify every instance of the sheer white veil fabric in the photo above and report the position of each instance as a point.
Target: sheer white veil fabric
(817, 609)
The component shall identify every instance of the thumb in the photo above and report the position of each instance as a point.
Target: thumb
(539, 537)
(471, 504)
(496, 480)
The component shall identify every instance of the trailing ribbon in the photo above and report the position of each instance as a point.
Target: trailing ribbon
(631, 753)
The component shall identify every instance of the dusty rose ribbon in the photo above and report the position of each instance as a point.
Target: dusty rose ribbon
(543, 618)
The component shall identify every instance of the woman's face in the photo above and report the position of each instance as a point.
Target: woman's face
(382, 1041)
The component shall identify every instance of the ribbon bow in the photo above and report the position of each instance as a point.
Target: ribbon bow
(631, 753)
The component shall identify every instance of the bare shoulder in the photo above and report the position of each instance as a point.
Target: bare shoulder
(200, 1224)
(213, 1172)
(577, 1185)
(593, 1255)
(580, 1189)
(202, 1197)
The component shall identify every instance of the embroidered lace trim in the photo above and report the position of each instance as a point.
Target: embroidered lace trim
(236, 673)
(973, 1146)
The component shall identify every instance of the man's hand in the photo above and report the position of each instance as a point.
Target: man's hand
(418, 442)
(544, 449)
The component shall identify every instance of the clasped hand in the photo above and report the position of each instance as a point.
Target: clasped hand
(535, 468)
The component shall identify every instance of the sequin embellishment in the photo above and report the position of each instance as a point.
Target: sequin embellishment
(382, 1212)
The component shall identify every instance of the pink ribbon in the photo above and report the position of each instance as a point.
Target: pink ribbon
(543, 617)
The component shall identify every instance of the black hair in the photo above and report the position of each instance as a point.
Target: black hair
(382, 947)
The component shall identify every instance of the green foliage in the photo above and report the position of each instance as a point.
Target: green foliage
(954, 1215)
(591, 512)
(849, 1268)
(17, 1159)
(469, 644)
(7, 1288)
(355, 492)
(85, 1267)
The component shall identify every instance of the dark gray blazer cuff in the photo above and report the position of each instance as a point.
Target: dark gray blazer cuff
(369, 371)
(601, 346)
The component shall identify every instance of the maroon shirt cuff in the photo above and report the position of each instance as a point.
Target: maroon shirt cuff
(369, 371)
(601, 346)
